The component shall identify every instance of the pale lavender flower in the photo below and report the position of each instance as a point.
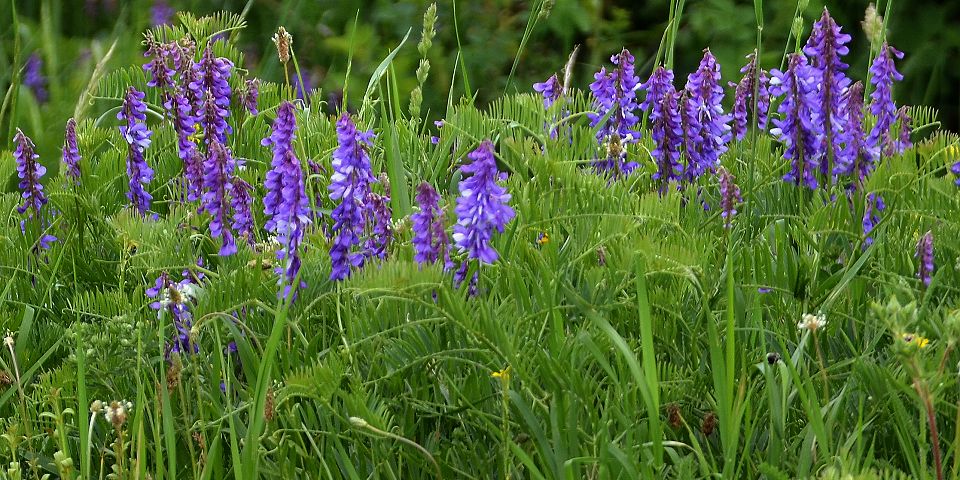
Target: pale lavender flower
(871, 216)
(161, 13)
(551, 90)
(729, 196)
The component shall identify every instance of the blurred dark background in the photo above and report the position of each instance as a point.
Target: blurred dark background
(328, 32)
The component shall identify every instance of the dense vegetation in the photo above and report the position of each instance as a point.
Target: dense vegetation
(218, 275)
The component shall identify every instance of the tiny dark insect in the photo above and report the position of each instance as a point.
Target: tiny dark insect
(773, 358)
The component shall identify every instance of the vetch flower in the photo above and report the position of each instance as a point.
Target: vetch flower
(173, 298)
(755, 80)
(812, 322)
(34, 79)
(161, 13)
(241, 203)
(137, 135)
(883, 73)
(615, 99)
(29, 171)
(871, 216)
(729, 196)
(218, 188)
(551, 90)
(350, 185)
(904, 120)
(825, 47)
(798, 130)
(707, 129)
(185, 124)
(668, 135)
(482, 205)
(71, 153)
(212, 88)
(857, 158)
(159, 68)
(430, 240)
(378, 217)
(250, 94)
(925, 253)
(286, 201)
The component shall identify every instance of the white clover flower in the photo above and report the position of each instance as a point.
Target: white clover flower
(812, 322)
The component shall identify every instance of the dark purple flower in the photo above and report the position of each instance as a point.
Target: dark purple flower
(904, 121)
(161, 73)
(550, 89)
(34, 79)
(461, 274)
(286, 201)
(430, 240)
(241, 203)
(185, 125)
(755, 80)
(871, 216)
(137, 135)
(29, 170)
(218, 187)
(350, 185)
(857, 158)
(212, 89)
(797, 129)
(250, 94)
(482, 205)
(729, 196)
(883, 73)
(161, 13)
(925, 252)
(615, 102)
(71, 153)
(707, 129)
(668, 135)
(378, 216)
(825, 47)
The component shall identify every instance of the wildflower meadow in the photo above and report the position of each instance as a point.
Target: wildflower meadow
(210, 269)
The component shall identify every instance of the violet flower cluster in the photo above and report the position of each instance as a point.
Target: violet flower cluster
(30, 171)
(173, 297)
(706, 128)
(729, 196)
(925, 253)
(137, 136)
(482, 205)
(755, 81)
(666, 125)
(871, 216)
(825, 47)
(430, 241)
(34, 79)
(286, 200)
(218, 190)
(883, 73)
(212, 87)
(350, 185)
(615, 100)
(71, 153)
(241, 203)
(250, 94)
(551, 89)
(857, 158)
(378, 216)
(797, 129)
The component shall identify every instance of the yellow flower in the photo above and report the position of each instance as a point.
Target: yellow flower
(502, 374)
(197, 135)
(914, 339)
(543, 238)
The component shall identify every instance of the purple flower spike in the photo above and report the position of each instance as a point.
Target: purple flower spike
(430, 236)
(857, 158)
(482, 205)
(871, 216)
(161, 73)
(883, 73)
(925, 252)
(797, 129)
(615, 98)
(550, 89)
(286, 201)
(350, 185)
(378, 215)
(754, 78)
(137, 135)
(250, 94)
(729, 196)
(218, 185)
(174, 297)
(185, 124)
(904, 120)
(707, 130)
(667, 133)
(241, 202)
(34, 79)
(71, 153)
(211, 88)
(29, 170)
(825, 47)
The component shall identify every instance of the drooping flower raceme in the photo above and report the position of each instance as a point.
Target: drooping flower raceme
(825, 47)
(707, 130)
(729, 196)
(29, 170)
(71, 153)
(213, 90)
(137, 136)
(871, 216)
(615, 99)
(797, 129)
(482, 205)
(185, 125)
(429, 233)
(286, 201)
(350, 185)
(161, 72)
(755, 80)
(218, 188)
(883, 73)
(925, 253)
(551, 89)
(667, 131)
(857, 157)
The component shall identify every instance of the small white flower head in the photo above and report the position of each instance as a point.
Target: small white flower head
(812, 322)
(96, 407)
(8, 339)
(116, 412)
